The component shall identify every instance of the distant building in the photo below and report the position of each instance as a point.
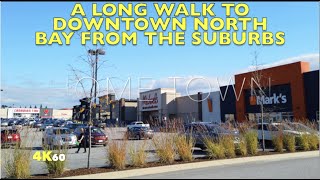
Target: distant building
(62, 113)
(4, 113)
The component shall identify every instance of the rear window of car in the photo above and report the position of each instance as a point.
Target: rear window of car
(96, 130)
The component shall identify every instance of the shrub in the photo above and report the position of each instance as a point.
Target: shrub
(164, 146)
(228, 146)
(277, 142)
(56, 167)
(138, 156)
(241, 148)
(303, 142)
(117, 154)
(215, 150)
(184, 147)
(313, 141)
(251, 138)
(17, 161)
(289, 142)
(18, 165)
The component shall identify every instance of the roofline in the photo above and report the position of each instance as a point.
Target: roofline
(268, 68)
(157, 89)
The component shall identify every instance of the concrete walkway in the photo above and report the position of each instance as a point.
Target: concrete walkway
(213, 163)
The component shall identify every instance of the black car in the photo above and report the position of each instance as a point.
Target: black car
(200, 131)
(57, 123)
(22, 122)
(12, 122)
(140, 133)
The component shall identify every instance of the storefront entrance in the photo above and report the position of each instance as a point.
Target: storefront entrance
(271, 117)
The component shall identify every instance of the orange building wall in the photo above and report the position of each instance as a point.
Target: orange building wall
(289, 73)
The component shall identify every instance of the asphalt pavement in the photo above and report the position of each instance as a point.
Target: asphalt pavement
(302, 168)
(98, 156)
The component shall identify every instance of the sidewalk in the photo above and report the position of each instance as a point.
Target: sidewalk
(213, 163)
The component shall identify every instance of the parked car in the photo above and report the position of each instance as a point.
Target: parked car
(46, 125)
(140, 133)
(199, 131)
(10, 137)
(22, 122)
(137, 124)
(57, 137)
(37, 124)
(99, 123)
(74, 126)
(57, 123)
(303, 128)
(98, 137)
(4, 123)
(272, 129)
(12, 122)
(31, 122)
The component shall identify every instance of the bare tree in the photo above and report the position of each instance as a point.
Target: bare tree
(89, 91)
(260, 90)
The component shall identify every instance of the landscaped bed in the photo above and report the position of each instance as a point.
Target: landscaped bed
(96, 170)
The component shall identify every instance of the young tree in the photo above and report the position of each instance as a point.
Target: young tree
(259, 86)
(89, 91)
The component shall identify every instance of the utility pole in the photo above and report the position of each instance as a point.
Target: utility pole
(262, 122)
(96, 52)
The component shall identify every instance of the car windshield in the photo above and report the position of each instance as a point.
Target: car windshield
(61, 131)
(300, 127)
(283, 127)
(218, 129)
(142, 128)
(96, 130)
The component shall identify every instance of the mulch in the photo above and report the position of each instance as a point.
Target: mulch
(96, 170)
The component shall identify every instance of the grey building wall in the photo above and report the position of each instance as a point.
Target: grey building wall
(131, 111)
(187, 109)
(215, 115)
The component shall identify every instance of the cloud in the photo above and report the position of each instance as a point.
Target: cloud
(313, 59)
(199, 85)
(36, 93)
(194, 84)
(26, 96)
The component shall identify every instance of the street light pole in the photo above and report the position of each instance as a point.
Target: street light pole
(96, 52)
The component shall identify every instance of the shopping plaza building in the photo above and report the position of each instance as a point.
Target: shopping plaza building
(36, 113)
(286, 92)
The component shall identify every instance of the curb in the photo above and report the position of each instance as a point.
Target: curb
(187, 166)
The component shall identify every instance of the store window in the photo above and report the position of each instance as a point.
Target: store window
(287, 116)
(229, 117)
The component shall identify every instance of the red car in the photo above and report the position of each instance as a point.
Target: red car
(98, 137)
(10, 137)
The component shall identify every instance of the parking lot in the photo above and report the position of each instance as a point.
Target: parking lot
(32, 138)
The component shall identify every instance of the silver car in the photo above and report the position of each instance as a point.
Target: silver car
(45, 126)
(4, 123)
(57, 137)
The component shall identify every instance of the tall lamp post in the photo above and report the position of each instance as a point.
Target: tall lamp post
(95, 53)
